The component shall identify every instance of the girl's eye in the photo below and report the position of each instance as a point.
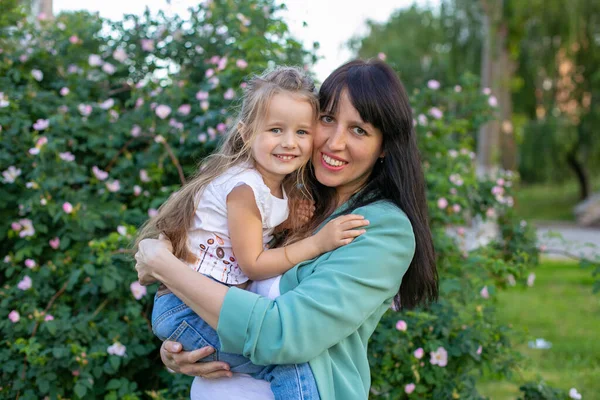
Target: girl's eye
(275, 130)
(359, 131)
(301, 132)
(326, 119)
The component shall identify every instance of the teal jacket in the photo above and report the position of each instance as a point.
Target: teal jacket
(328, 308)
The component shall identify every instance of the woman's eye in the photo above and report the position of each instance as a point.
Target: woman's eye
(301, 132)
(326, 119)
(359, 131)
(275, 130)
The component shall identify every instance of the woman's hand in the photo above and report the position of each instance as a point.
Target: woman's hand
(151, 254)
(186, 362)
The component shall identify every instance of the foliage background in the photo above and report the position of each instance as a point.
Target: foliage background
(100, 121)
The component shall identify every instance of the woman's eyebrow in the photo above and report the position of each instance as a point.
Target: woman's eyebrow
(358, 122)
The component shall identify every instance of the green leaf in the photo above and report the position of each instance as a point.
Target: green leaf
(80, 389)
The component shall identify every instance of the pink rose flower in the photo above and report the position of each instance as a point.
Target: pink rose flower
(484, 293)
(241, 64)
(54, 243)
(221, 127)
(409, 388)
(202, 95)
(419, 353)
(99, 174)
(436, 113)
(401, 325)
(163, 111)
(382, 56)
(229, 94)
(116, 349)
(29, 263)
(433, 84)
(439, 357)
(184, 109)
(14, 316)
(49, 318)
(144, 176)
(67, 207)
(147, 44)
(25, 283)
(113, 186)
(137, 290)
(41, 124)
(442, 203)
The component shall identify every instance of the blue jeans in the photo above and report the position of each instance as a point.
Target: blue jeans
(173, 320)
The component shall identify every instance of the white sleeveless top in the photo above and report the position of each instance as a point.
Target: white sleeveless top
(208, 237)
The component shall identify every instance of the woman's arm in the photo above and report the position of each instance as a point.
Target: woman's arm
(328, 305)
(335, 299)
(245, 231)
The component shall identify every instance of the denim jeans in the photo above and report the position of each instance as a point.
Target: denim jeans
(173, 320)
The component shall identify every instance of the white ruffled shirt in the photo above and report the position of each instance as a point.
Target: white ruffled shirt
(209, 234)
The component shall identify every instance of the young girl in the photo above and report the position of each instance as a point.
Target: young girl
(221, 222)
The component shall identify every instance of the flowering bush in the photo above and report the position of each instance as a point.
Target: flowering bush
(439, 352)
(99, 122)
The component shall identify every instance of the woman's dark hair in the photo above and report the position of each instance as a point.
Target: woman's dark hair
(379, 97)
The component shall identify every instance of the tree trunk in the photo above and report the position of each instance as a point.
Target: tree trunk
(504, 71)
(487, 136)
(580, 173)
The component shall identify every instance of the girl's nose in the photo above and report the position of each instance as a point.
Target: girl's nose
(289, 140)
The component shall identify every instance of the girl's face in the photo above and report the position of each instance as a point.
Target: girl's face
(345, 149)
(284, 142)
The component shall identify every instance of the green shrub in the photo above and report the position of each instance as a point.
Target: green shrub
(87, 151)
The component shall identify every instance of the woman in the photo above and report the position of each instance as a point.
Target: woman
(365, 161)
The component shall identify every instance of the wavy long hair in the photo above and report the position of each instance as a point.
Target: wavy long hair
(176, 215)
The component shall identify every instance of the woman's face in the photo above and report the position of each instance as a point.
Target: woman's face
(345, 149)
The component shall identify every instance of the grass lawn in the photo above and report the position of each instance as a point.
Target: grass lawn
(548, 202)
(561, 309)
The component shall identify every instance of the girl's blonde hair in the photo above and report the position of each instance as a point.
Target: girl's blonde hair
(176, 215)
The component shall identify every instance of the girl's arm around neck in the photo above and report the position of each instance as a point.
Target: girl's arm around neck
(245, 231)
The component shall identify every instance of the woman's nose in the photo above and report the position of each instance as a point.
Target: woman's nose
(337, 139)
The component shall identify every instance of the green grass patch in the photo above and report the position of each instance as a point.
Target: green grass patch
(549, 202)
(562, 309)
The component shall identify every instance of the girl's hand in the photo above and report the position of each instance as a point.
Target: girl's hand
(151, 254)
(186, 362)
(340, 231)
